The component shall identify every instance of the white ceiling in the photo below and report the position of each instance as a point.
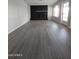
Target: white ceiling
(40, 2)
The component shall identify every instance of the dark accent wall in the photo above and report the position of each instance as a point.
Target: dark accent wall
(39, 12)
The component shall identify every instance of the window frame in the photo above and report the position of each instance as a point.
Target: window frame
(56, 11)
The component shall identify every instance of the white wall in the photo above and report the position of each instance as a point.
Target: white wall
(50, 12)
(18, 14)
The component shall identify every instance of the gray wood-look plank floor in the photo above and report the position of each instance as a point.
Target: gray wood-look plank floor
(40, 40)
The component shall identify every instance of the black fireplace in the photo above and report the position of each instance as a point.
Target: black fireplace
(39, 12)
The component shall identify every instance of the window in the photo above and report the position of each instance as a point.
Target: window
(56, 11)
(65, 11)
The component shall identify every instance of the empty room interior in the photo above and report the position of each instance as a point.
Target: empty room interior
(39, 29)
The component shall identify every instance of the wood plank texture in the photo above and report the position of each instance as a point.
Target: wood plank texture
(40, 40)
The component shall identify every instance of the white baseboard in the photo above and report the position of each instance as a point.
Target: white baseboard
(17, 27)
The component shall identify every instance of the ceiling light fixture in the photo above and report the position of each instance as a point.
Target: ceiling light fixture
(41, 0)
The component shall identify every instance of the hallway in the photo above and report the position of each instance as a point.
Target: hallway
(40, 40)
